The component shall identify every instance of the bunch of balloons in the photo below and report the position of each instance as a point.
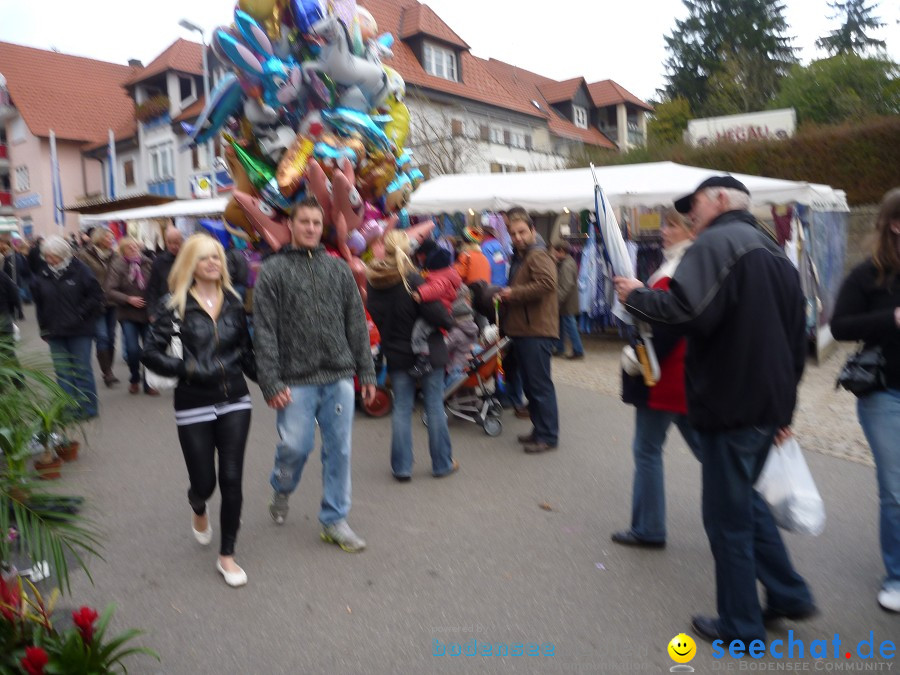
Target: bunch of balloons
(310, 109)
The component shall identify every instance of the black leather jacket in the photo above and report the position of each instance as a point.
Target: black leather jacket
(216, 354)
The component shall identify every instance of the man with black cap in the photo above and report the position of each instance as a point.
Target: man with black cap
(738, 300)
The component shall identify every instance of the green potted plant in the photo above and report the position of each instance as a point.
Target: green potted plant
(30, 643)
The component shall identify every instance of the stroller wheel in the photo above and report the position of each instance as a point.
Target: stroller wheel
(381, 405)
(492, 426)
(496, 410)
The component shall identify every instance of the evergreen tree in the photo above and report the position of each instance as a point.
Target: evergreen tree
(851, 37)
(724, 38)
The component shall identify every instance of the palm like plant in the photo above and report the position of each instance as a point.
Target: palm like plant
(33, 405)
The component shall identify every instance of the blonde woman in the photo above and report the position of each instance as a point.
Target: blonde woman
(392, 308)
(126, 287)
(212, 402)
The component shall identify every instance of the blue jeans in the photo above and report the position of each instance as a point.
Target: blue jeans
(568, 328)
(745, 542)
(134, 334)
(72, 363)
(331, 405)
(648, 496)
(106, 330)
(879, 416)
(404, 388)
(533, 359)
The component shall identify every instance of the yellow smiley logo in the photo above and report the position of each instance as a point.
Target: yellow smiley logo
(682, 648)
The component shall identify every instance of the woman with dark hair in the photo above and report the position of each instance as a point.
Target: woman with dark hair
(212, 402)
(391, 283)
(868, 309)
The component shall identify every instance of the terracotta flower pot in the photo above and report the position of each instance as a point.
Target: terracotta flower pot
(48, 470)
(68, 452)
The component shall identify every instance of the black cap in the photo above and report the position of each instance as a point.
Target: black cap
(683, 205)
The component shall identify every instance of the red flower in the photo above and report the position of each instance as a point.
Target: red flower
(84, 619)
(34, 661)
(9, 599)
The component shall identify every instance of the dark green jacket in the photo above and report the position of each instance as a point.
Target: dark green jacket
(309, 323)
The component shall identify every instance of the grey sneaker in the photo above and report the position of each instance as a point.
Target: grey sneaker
(278, 507)
(340, 533)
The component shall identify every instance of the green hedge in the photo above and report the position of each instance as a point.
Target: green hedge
(860, 159)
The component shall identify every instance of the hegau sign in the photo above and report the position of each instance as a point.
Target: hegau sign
(765, 125)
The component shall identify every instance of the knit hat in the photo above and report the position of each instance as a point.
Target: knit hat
(472, 235)
(437, 259)
(461, 308)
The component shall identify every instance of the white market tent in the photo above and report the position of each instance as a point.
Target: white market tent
(181, 207)
(631, 185)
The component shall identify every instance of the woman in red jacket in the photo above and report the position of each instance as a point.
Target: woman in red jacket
(657, 407)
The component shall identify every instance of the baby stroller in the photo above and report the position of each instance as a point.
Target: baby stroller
(472, 396)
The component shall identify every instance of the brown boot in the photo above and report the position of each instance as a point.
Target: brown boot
(105, 359)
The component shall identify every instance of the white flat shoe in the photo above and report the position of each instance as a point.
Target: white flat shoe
(233, 579)
(205, 537)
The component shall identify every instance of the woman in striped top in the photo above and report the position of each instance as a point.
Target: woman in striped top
(212, 402)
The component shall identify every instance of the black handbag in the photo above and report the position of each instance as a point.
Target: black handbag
(864, 372)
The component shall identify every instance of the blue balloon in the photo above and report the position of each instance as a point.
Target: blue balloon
(217, 229)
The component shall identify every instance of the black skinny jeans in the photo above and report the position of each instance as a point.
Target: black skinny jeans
(199, 442)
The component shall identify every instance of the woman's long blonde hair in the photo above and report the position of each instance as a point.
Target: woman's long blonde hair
(181, 278)
(396, 255)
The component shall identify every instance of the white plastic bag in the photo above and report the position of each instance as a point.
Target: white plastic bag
(788, 488)
(175, 350)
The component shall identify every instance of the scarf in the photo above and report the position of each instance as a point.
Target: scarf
(58, 270)
(673, 256)
(134, 271)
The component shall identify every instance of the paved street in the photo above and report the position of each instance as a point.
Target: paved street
(512, 549)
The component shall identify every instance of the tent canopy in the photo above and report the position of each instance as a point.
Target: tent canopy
(629, 185)
(182, 207)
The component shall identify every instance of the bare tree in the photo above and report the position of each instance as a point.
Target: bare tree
(439, 138)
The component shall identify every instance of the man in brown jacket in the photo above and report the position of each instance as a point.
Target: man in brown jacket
(532, 321)
(567, 292)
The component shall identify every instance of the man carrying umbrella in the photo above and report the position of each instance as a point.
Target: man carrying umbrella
(738, 299)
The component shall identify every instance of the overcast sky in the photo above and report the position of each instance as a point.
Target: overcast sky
(597, 39)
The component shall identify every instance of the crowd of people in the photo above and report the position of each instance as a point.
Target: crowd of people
(724, 288)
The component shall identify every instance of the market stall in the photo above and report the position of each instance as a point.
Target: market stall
(810, 219)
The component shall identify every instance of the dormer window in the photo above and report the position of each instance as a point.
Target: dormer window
(580, 116)
(441, 62)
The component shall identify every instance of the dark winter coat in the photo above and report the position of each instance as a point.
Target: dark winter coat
(738, 299)
(67, 305)
(394, 312)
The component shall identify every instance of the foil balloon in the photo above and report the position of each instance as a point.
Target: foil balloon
(258, 9)
(293, 165)
(354, 123)
(270, 225)
(347, 198)
(261, 175)
(374, 174)
(337, 60)
(398, 128)
(224, 101)
(217, 229)
(421, 232)
(234, 214)
(305, 13)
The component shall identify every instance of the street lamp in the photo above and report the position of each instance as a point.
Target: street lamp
(210, 160)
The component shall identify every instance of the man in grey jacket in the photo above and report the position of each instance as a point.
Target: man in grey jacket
(567, 292)
(311, 338)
